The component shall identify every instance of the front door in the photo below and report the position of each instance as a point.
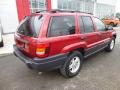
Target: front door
(88, 34)
(103, 34)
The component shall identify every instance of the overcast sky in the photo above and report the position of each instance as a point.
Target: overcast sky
(118, 6)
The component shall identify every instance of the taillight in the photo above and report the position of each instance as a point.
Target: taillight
(42, 50)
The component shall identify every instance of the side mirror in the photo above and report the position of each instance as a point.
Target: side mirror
(109, 27)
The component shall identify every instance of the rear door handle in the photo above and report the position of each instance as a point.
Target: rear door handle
(83, 38)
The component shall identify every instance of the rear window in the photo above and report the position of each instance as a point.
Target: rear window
(30, 26)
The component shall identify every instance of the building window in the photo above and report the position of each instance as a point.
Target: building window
(105, 11)
(37, 5)
(79, 5)
(89, 6)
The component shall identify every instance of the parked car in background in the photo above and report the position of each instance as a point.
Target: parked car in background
(61, 40)
(1, 39)
(111, 21)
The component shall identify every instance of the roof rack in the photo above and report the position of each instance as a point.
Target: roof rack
(41, 11)
(62, 10)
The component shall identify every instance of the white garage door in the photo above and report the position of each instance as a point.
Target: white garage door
(8, 15)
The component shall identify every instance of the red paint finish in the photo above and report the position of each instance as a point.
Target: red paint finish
(23, 8)
(49, 5)
(50, 46)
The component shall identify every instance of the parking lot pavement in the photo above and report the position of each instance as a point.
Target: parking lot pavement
(100, 72)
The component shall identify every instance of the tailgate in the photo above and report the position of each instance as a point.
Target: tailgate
(27, 34)
(26, 45)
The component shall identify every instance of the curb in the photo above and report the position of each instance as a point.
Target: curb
(6, 54)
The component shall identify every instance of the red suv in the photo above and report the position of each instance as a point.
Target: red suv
(61, 40)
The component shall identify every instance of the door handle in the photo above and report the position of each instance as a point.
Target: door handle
(99, 34)
(83, 38)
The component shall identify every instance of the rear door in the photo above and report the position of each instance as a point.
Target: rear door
(88, 34)
(61, 32)
(104, 35)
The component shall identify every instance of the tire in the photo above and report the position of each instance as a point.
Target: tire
(1, 44)
(69, 69)
(112, 24)
(110, 46)
(115, 25)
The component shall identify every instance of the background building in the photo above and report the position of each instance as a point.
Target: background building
(79, 5)
(101, 8)
(105, 8)
(13, 11)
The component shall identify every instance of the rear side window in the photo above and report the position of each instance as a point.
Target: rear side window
(88, 24)
(61, 25)
(30, 26)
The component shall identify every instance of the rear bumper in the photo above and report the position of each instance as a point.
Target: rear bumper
(42, 64)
